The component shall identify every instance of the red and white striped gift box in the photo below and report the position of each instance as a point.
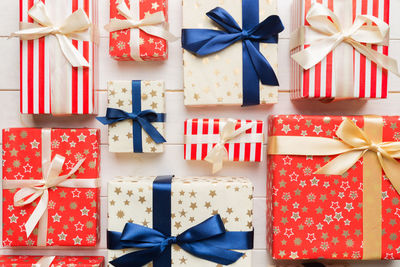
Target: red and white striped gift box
(369, 80)
(48, 82)
(201, 135)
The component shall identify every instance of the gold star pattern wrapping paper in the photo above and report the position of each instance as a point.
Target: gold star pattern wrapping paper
(193, 200)
(120, 134)
(217, 79)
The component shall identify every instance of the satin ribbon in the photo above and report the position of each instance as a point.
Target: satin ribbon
(44, 261)
(204, 42)
(30, 190)
(76, 27)
(154, 24)
(218, 153)
(327, 33)
(353, 144)
(142, 119)
(207, 240)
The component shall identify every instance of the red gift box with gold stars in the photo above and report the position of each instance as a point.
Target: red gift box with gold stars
(135, 44)
(332, 189)
(52, 261)
(50, 187)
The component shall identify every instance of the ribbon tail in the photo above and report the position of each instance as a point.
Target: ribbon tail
(37, 213)
(341, 163)
(160, 31)
(137, 258)
(264, 70)
(44, 261)
(214, 254)
(381, 60)
(71, 53)
(317, 51)
(391, 168)
(152, 131)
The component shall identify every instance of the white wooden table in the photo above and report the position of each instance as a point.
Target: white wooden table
(171, 71)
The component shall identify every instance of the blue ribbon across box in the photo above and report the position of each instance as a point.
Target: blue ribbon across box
(199, 229)
(206, 42)
(135, 107)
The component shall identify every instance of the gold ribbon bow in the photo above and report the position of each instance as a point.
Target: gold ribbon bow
(327, 32)
(353, 143)
(218, 153)
(76, 26)
(44, 261)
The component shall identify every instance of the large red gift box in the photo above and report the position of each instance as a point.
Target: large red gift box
(354, 215)
(124, 43)
(51, 261)
(48, 81)
(32, 155)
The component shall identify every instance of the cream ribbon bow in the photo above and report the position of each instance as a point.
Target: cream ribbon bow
(326, 24)
(76, 26)
(218, 153)
(34, 189)
(44, 261)
(153, 24)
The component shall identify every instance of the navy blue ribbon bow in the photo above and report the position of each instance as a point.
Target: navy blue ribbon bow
(141, 119)
(255, 66)
(207, 240)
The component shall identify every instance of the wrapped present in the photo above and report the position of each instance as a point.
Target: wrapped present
(58, 56)
(197, 221)
(340, 48)
(51, 261)
(333, 187)
(216, 140)
(139, 30)
(50, 187)
(136, 115)
(230, 55)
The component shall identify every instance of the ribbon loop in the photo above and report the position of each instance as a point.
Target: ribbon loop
(76, 26)
(330, 33)
(218, 153)
(154, 24)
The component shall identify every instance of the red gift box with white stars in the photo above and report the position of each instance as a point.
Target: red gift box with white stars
(322, 216)
(151, 48)
(57, 261)
(73, 210)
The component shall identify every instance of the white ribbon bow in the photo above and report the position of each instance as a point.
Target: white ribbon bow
(218, 153)
(76, 26)
(324, 23)
(153, 24)
(34, 189)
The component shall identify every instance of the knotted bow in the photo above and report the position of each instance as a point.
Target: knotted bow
(327, 33)
(207, 240)
(153, 24)
(205, 41)
(218, 153)
(144, 118)
(39, 189)
(76, 26)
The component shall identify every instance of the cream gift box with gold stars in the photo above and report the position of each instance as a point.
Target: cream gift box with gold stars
(193, 200)
(149, 95)
(217, 79)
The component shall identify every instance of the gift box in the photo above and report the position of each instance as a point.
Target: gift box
(140, 32)
(349, 70)
(51, 261)
(235, 69)
(55, 76)
(216, 140)
(333, 187)
(136, 116)
(50, 187)
(197, 221)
